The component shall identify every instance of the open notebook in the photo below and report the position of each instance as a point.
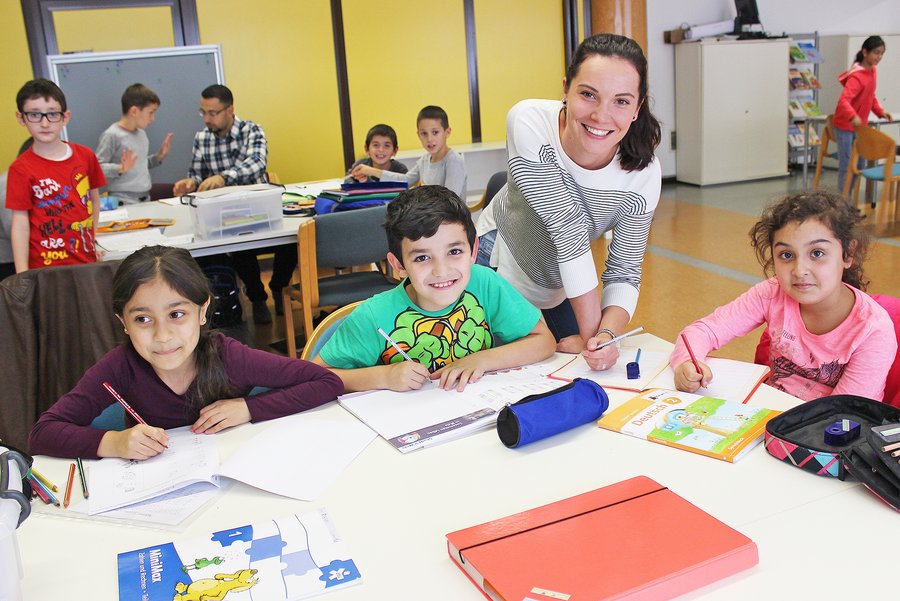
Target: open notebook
(732, 380)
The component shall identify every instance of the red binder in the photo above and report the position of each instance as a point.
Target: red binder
(632, 540)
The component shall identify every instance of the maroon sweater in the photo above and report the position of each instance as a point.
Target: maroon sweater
(64, 429)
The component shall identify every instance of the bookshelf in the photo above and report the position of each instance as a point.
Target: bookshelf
(803, 104)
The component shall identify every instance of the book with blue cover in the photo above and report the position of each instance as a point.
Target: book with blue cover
(277, 560)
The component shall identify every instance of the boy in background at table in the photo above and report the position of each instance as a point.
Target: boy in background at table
(440, 166)
(451, 320)
(381, 147)
(51, 188)
(124, 150)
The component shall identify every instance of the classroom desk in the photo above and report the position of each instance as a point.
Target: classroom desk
(286, 234)
(394, 510)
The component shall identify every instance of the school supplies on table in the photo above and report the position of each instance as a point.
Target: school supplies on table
(430, 415)
(133, 224)
(709, 426)
(632, 539)
(652, 363)
(283, 559)
(732, 380)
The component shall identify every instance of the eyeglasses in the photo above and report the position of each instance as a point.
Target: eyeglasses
(36, 117)
(212, 114)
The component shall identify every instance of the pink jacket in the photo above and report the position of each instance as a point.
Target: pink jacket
(858, 97)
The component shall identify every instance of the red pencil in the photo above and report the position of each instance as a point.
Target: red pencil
(69, 485)
(691, 353)
(42, 491)
(122, 402)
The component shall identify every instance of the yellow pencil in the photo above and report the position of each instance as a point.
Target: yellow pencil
(44, 480)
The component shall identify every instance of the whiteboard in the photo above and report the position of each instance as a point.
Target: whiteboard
(93, 83)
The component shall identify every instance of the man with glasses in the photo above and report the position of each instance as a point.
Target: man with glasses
(233, 152)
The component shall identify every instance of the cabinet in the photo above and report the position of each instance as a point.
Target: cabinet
(730, 117)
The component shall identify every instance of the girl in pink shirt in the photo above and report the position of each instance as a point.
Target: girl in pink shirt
(827, 336)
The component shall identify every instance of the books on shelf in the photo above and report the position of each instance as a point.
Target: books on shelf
(796, 80)
(633, 539)
(795, 136)
(278, 560)
(811, 108)
(810, 78)
(796, 109)
(430, 415)
(797, 55)
(811, 52)
(709, 426)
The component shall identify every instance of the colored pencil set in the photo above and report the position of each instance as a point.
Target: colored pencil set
(43, 488)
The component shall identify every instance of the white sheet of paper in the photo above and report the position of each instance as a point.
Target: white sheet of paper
(316, 452)
(393, 414)
(170, 509)
(118, 482)
(651, 364)
(732, 380)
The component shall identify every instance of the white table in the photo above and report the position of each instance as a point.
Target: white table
(173, 209)
(818, 538)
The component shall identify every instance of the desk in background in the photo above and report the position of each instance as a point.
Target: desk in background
(483, 159)
(818, 538)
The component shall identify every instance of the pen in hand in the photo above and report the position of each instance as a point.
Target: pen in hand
(125, 404)
(395, 345)
(693, 357)
(618, 338)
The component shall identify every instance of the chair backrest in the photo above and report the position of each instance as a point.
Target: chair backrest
(828, 131)
(351, 237)
(892, 383)
(872, 144)
(325, 330)
(497, 181)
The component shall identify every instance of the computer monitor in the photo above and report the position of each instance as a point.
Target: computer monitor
(747, 19)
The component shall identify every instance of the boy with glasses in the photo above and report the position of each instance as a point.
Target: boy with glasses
(51, 188)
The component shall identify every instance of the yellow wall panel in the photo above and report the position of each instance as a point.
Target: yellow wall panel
(16, 71)
(100, 30)
(403, 58)
(520, 55)
(279, 63)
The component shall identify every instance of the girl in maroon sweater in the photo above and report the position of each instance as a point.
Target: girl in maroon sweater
(172, 370)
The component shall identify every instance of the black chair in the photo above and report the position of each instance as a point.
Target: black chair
(335, 241)
(497, 181)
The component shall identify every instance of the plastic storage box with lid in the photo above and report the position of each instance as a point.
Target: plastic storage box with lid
(14, 508)
(235, 210)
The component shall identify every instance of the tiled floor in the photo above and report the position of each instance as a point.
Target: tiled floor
(699, 257)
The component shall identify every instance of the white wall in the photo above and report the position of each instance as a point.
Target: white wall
(864, 17)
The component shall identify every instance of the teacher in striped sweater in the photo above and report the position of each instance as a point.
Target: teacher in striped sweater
(577, 169)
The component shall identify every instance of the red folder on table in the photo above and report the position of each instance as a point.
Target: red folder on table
(632, 540)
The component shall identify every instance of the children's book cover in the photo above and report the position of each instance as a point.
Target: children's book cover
(797, 55)
(811, 52)
(282, 559)
(713, 427)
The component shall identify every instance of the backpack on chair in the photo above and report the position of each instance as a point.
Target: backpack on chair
(226, 303)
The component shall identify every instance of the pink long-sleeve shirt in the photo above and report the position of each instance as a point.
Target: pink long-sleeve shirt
(853, 358)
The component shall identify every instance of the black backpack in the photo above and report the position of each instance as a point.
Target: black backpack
(226, 304)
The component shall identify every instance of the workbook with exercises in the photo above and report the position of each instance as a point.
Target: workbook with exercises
(633, 539)
(277, 560)
(713, 427)
(732, 380)
(430, 415)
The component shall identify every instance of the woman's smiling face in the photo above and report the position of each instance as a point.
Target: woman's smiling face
(602, 101)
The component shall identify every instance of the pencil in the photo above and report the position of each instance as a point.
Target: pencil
(37, 489)
(84, 488)
(122, 402)
(395, 345)
(691, 353)
(69, 485)
(620, 337)
(50, 498)
(44, 480)
(637, 358)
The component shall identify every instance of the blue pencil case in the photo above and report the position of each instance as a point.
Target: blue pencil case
(541, 415)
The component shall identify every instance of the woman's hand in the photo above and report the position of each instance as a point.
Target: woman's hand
(220, 415)
(688, 380)
(140, 442)
(600, 359)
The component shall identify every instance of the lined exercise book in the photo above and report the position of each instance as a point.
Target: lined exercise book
(623, 541)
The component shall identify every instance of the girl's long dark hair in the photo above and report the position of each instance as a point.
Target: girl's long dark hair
(871, 43)
(180, 271)
(844, 221)
(637, 147)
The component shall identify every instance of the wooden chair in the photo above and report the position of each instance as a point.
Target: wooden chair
(325, 330)
(874, 146)
(336, 241)
(493, 186)
(827, 136)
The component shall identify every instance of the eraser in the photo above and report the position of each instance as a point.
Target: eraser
(841, 432)
(633, 370)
